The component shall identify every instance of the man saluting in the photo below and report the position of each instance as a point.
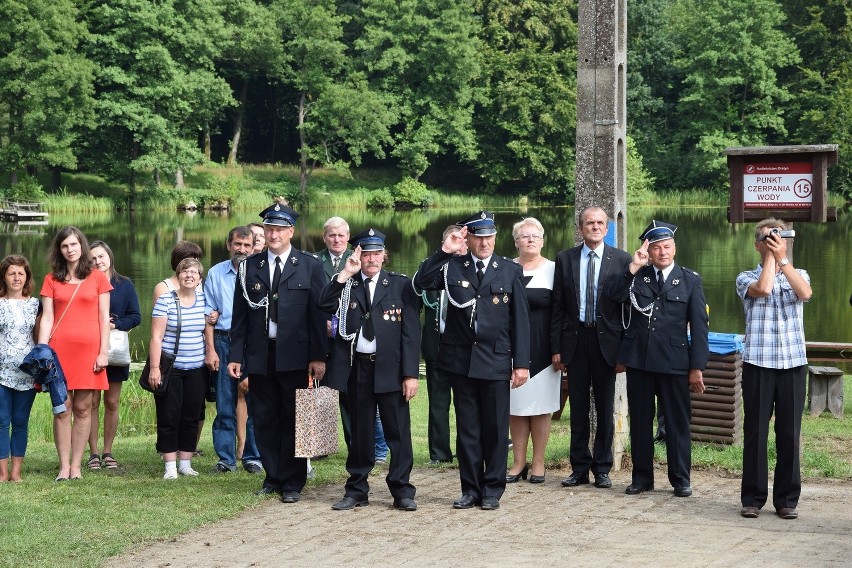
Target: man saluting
(485, 348)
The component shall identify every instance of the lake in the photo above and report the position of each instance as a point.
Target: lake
(142, 243)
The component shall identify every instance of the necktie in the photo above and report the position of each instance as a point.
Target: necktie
(335, 261)
(369, 331)
(590, 289)
(273, 302)
(660, 280)
(480, 270)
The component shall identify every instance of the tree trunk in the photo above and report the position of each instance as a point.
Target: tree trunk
(13, 177)
(32, 171)
(157, 178)
(207, 152)
(55, 178)
(238, 125)
(303, 151)
(179, 183)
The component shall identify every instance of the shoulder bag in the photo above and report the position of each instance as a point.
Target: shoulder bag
(167, 361)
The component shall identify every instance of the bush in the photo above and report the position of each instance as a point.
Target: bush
(27, 189)
(410, 193)
(380, 199)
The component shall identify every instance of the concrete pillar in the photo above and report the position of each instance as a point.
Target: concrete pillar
(601, 175)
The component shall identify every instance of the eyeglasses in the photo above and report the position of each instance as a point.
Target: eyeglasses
(533, 237)
(191, 272)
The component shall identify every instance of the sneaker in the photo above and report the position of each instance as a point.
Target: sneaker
(222, 468)
(252, 467)
(188, 471)
(170, 474)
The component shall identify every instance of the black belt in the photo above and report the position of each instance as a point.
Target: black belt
(365, 356)
(222, 333)
(584, 324)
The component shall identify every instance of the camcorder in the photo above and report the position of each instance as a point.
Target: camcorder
(783, 233)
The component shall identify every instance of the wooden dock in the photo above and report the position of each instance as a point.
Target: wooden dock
(23, 212)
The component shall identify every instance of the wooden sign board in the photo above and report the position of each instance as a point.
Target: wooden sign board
(790, 182)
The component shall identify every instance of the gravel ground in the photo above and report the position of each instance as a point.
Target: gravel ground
(536, 525)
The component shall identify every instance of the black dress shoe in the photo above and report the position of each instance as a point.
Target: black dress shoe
(490, 503)
(750, 512)
(290, 497)
(266, 490)
(520, 475)
(576, 479)
(349, 503)
(465, 502)
(536, 478)
(685, 491)
(405, 504)
(637, 488)
(788, 513)
(603, 481)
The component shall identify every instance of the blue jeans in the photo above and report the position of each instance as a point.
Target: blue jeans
(381, 445)
(225, 423)
(15, 409)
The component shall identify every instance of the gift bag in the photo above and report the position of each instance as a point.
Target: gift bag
(316, 422)
(119, 348)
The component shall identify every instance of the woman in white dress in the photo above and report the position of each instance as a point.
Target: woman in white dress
(532, 404)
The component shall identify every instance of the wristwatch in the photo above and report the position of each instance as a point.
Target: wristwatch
(783, 262)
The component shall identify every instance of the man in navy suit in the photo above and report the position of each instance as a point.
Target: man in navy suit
(485, 348)
(585, 336)
(278, 338)
(665, 351)
(375, 360)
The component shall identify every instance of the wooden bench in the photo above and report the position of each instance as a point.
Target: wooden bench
(825, 390)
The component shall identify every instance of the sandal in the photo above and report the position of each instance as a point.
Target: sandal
(94, 462)
(108, 462)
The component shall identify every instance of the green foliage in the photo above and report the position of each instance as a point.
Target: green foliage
(424, 54)
(527, 116)
(640, 183)
(380, 199)
(410, 193)
(27, 189)
(45, 83)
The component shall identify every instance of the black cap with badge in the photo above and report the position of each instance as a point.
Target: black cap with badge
(279, 215)
(480, 224)
(369, 240)
(658, 231)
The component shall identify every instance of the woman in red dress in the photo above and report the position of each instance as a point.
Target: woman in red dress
(75, 322)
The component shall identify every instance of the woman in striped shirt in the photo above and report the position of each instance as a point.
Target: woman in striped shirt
(178, 409)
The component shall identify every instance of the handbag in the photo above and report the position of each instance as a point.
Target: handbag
(167, 361)
(119, 348)
(316, 421)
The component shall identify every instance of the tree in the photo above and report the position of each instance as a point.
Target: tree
(156, 84)
(45, 84)
(822, 109)
(339, 117)
(425, 55)
(731, 53)
(527, 117)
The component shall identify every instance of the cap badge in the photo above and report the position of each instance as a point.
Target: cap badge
(482, 215)
(277, 207)
(371, 232)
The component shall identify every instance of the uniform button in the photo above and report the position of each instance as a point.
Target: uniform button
(653, 329)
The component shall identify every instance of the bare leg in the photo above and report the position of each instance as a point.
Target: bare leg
(4, 470)
(80, 429)
(17, 466)
(62, 439)
(519, 428)
(540, 432)
(94, 430)
(111, 398)
(242, 417)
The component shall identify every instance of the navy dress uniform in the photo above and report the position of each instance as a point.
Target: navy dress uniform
(277, 333)
(371, 372)
(486, 336)
(665, 338)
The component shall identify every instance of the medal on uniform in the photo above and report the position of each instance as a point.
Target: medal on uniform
(505, 298)
(353, 305)
(386, 316)
(496, 300)
(257, 286)
(465, 283)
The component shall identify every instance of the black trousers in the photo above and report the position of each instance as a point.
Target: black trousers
(274, 398)
(396, 420)
(482, 434)
(178, 410)
(784, 391)
(588, 369)
(673, 392)
(438, 389)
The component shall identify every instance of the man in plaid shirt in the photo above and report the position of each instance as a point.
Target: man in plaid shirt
(773, 371)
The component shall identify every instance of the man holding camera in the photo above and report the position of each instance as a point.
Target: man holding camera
(773, 371)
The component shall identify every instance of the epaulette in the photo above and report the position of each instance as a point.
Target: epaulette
(397, 274)
(691, 271)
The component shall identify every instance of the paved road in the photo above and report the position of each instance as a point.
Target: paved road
(537, 525)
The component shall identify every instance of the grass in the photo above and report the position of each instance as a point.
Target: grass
(110, 511)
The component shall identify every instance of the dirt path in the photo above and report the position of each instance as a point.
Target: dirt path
(536, 525)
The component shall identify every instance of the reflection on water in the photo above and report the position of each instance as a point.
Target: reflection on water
(142, 242)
